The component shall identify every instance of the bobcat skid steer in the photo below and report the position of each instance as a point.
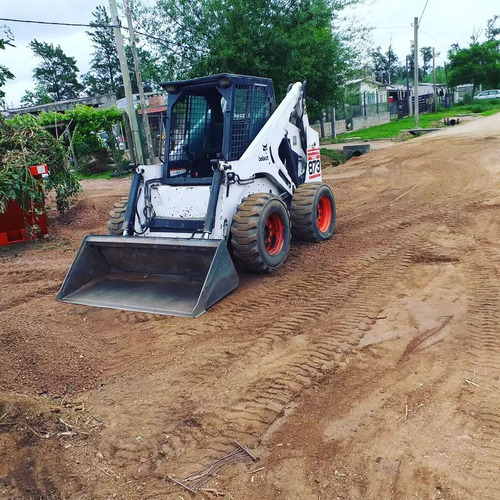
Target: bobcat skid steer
(238, 176)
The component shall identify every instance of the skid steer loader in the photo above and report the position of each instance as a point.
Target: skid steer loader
(238, 176)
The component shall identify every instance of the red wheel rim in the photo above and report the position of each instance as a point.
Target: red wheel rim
(274, 234)
(324, 217)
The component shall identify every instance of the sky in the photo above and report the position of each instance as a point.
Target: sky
(443, 23)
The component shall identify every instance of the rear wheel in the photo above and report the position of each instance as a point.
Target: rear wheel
(117, 218)
(313, 212)
(260, 233)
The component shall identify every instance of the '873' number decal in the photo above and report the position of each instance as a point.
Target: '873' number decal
(313, 163)
(314, 167)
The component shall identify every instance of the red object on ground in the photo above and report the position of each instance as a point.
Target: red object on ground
(14, 220)
(39, 170)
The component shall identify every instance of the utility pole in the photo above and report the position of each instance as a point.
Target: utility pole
(415, 79)
(140, 86)
(434, 76)
(136, 138)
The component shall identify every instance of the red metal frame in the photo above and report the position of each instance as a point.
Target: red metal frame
(14, 220)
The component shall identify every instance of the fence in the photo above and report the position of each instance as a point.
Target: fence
(352, 117)
(425, 104)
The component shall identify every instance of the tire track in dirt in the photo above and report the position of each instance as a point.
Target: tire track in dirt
(261, 402)
(343, 333)
(484, 370)
(25, 284)
(35, 292)
(264, 400)
(293, 353)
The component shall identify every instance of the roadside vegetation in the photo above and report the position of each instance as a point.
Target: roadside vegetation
(23, 143)
(396, 127)
(75, 145)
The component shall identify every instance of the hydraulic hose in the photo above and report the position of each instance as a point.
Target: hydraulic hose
(129, 222)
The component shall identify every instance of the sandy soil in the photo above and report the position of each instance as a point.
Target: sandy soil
(367, 367)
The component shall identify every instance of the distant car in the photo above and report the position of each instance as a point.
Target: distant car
(488, 94)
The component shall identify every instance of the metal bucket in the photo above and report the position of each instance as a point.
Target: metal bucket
(180, 277)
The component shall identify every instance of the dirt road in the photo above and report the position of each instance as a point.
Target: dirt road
(367, 367)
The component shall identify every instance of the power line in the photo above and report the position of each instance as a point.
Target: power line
(95, 25)
(422, 15)
(390, 27)
(62, 24)
(435, 39)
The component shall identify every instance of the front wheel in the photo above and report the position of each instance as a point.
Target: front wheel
(313, 212)
(260, 233)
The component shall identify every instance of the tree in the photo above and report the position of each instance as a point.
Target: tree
(477, 64)
(57, 72)
(6, 38)
(104, 76)
(285, 40)
(426, 53)
(385, 66)
(491, 31)
(151, 70)
(440, 76)
(36, 97)
(424, 66)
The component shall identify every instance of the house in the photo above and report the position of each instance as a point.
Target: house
(365, 104)
(364, 91)
(462, 90)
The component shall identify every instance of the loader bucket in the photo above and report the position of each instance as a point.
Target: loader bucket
(181, 277)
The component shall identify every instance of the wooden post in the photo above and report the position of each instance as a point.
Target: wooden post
(334, 131)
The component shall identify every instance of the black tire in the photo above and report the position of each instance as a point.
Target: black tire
(260, 233)
(117, 218)
(313, 212)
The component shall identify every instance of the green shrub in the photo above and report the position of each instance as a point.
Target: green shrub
(91, 148)
(23, 143)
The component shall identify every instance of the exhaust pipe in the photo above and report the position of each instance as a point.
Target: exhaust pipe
(179, 277)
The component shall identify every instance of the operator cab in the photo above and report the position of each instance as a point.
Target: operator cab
(212, 118)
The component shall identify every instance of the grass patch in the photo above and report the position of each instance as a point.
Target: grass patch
(107, 174)
(102, 175)
(428, 120)
(490, 112)
(336, 156)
